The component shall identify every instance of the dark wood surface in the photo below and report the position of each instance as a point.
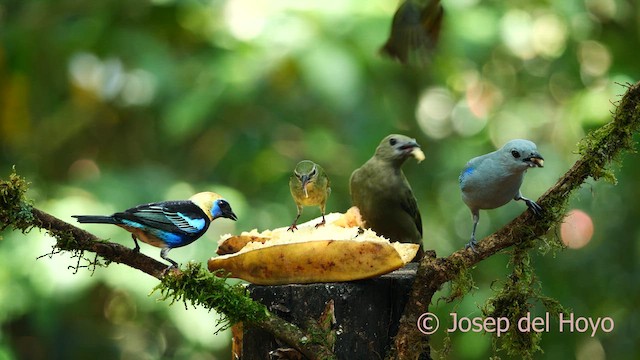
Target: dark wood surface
(366, 312)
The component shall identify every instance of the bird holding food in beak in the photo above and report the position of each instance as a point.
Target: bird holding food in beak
(383, 195)
(492, 180)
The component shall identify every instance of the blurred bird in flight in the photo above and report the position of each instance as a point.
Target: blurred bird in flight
(415, 30)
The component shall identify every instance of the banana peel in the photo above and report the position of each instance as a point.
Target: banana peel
(313, 261)
(333, 253)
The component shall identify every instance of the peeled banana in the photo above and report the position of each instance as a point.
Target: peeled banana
(338, 251)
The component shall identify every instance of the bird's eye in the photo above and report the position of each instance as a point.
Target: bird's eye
(392, 141)
(515, 154)
(222, 204)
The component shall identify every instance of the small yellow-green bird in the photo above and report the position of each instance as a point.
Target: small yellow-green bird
(383, 195)
(309, 186)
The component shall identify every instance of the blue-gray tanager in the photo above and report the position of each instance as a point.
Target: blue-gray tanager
(492, 180)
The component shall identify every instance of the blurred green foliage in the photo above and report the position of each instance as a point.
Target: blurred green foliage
(105, 105)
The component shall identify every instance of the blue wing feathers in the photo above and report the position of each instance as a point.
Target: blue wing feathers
(175, 223)
(187, 223)
(173, 217)
(466, 173)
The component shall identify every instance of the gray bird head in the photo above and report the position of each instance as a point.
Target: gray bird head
(396, 148)
(521, 154)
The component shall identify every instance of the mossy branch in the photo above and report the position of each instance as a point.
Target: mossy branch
(189, 285)
(597, 151)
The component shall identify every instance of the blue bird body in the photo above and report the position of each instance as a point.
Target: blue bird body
(492, 180)
(168, 224)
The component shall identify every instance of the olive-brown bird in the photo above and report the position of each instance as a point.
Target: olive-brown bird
(310, 186)
(382, 193)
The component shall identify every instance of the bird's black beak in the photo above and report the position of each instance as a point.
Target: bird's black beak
(229, 215)
(535, 160)
(305, 179)
(409, 145)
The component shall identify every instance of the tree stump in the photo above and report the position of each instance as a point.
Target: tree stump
(366, 311)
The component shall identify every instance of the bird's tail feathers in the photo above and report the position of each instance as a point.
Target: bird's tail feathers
(95, 219)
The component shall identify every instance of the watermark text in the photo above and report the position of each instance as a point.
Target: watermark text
(428, 323)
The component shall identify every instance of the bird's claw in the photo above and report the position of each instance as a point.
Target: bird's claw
(472, 245)
(321, 223)
(292, 227)
(534, 207)
(169, 268)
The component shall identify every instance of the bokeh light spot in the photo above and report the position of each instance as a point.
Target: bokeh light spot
(83, 170)
(246, 19)
(434, 112)
(577, 229)
(594, 58)
(549, 36)
(516, 31)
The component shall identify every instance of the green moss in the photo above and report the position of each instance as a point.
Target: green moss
(322, 331)
(461, 284)
(444, 351)
(605, 144)
(318, 335)
(15, 210)
(199, 287)
(65, 240)
(520, 293)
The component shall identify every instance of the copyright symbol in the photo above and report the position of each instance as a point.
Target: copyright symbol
(428, 323)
